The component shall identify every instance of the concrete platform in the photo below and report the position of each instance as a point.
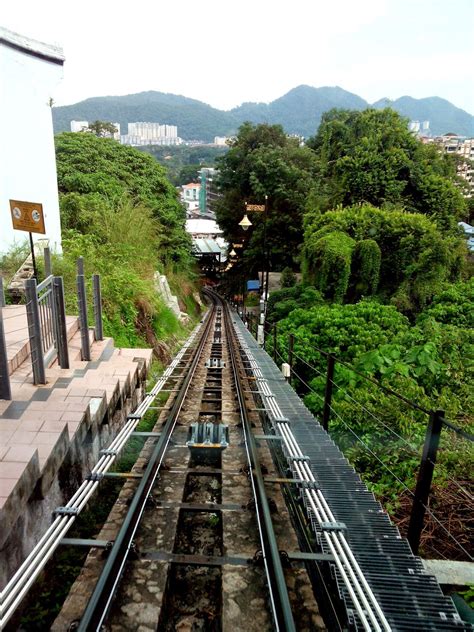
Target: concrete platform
(43, 424)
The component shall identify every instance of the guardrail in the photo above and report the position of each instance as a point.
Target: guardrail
(435, 422)
(46, 316)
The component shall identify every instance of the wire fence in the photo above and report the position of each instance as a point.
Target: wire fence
(401, 451)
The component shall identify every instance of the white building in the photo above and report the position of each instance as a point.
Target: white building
(30, 71)
(79, 126)
(142, 133)
(221, 141)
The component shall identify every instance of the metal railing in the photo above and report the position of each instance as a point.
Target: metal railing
(435, 422)
(46, 315)
(5, 390)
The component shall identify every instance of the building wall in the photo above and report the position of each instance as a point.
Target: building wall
(27, 157)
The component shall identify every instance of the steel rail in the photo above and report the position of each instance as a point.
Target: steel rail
(365, 603)
(281, 607)
(99, 603)
(19, 584)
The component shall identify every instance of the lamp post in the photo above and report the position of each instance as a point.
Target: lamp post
(245, 223)
(265, 258)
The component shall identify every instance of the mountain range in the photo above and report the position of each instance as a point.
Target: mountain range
(299, 112)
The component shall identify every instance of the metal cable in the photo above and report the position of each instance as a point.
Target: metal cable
(403, 484)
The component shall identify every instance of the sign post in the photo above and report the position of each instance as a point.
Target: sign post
(28, 216)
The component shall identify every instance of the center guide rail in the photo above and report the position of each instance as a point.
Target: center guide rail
(64, 517)
(278, 592)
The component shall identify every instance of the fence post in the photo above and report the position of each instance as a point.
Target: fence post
(291, 344)
(34, 332)
(2, 293)
(99, 333)
(82, 303)
(60, 315)
(328, 392)
(275, 343)
(5, 391)
(425, 477)
(47, 262)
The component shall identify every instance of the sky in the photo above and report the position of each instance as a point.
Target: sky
(226, 52)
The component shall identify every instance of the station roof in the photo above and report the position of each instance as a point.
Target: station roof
(202, 226)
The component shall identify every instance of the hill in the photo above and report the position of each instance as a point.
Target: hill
(195, 120)
(443, 116)
(299, 111)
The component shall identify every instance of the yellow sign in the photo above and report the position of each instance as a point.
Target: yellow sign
(255, 207)
(27, 216)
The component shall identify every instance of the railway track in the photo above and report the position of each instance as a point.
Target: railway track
(202, 522)
(222, 524)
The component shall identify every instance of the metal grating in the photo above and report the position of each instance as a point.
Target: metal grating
(410, 598)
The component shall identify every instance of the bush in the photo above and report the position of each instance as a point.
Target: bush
(288, 278)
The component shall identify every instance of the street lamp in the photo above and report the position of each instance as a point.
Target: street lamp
(245, 223)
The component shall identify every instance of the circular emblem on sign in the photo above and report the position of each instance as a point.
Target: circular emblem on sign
(35, 215)
(16, 213)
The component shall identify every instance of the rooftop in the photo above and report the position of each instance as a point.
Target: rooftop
(48, 52)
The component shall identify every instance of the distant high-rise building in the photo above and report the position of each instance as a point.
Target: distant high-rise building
(79, 126)
(208, 193)
(142, 133)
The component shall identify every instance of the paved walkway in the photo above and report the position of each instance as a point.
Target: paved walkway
(39, 424)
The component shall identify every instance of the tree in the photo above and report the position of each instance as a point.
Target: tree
(370, 156)
(91, 168)
(403, 256)
(263, 160)
(102, 129)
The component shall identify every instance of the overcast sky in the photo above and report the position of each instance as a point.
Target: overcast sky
(225, 52)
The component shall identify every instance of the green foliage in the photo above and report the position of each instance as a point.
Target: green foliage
(120, 213)
(371, 157)
(415, 257)
(261, 161)
(183, 162)
(97, 168)
(365, 267)
(288, 278)
(328, 263)
(282, 302)
(345, 330)
(102, 129)
(11, 261)
(468, 596)
(453, 305)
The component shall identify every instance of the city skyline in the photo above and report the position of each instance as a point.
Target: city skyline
(227, 55)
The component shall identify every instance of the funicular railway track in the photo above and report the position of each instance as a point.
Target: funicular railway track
(209, 386)
(205, 540)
